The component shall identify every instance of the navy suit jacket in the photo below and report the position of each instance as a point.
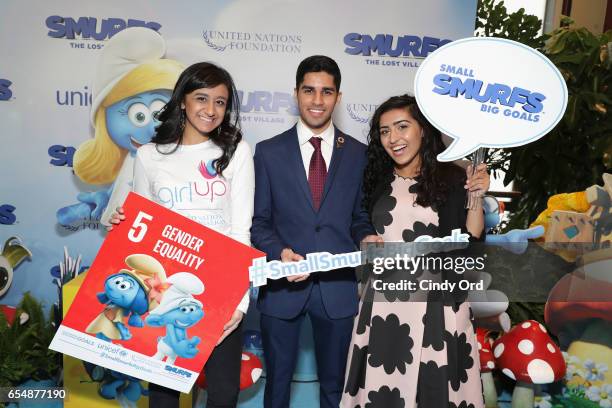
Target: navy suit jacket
(284, 217)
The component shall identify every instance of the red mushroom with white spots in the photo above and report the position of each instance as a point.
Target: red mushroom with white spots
(487, 364)
(528, 355)
(10, 313)
(251, 369)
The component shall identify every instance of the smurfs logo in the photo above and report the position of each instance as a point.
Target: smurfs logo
(91, 28)
(178, 371)
(476, 91)
(266, 106)
(61, 155)
(360, 112)
(455, 81)
(220, 40)
(5, 89)
(409, 47)
(7, 214)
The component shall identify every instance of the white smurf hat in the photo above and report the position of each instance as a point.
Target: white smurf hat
(184, 286)
(125, 51)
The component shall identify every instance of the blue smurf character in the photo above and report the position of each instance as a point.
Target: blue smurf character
(489, 306)
(115, 385)
(119, 385)
(130, 293)
(515, 240)
(132, 85)
(178, 311)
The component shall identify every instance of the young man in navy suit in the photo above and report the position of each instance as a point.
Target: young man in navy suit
(308, 199)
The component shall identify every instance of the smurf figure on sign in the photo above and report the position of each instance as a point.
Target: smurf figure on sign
(178, 311)
(128, 293)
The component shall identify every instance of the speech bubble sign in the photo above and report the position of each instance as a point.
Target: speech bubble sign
(489, 92)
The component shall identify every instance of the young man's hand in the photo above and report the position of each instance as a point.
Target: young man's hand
(287, 255)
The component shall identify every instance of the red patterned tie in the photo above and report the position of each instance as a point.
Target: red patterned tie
(317, 172)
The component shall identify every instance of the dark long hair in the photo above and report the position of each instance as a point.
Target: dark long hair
(434, 177)
(227, 135)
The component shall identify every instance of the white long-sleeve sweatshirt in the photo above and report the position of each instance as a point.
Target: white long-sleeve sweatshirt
(186, 182)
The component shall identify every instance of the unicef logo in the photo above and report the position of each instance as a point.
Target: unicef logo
(74, 97)
(489, 92)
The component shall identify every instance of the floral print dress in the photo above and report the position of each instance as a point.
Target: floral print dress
(404, 353)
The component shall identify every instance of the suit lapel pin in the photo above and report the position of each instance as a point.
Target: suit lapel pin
(339, 142)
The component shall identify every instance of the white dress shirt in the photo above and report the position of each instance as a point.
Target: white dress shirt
(306, 149)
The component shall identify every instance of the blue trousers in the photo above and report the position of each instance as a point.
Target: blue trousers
(281, 346)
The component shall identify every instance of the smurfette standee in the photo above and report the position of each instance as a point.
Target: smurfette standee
(133, 82)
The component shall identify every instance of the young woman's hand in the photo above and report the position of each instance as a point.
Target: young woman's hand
(116, 218)
(479, 181)
(231, 325)
(373, 239)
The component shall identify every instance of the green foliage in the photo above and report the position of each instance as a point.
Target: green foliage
(493, 20)
(24, 348)
(575, 154)
(521, 311)
(573, 400)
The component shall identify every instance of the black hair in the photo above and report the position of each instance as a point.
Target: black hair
(227, 135)
(434, 178)
(318, 63)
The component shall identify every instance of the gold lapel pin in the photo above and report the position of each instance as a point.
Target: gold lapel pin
(339, 142)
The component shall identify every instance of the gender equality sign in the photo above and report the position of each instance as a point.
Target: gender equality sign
(489, 92)
(155, 300)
